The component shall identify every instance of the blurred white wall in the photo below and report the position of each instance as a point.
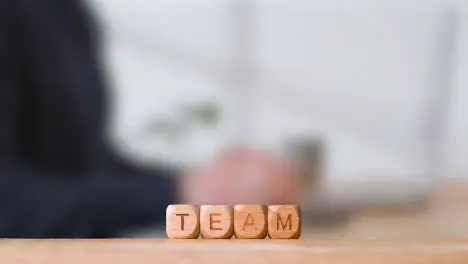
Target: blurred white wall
(369, 75)
(456, 158)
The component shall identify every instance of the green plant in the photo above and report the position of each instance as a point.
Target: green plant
(173, 130)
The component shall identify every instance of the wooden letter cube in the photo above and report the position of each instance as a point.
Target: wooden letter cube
(250, 221)
(216, 221)
(182, 221)
(284, 222)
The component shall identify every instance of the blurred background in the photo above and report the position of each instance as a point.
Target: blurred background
(371, 94)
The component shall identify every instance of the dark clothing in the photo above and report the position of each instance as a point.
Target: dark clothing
(57, 177)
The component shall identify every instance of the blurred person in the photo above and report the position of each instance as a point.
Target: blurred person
(58, 179)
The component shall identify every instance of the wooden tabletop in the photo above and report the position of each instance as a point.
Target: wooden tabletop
(233, 251)
(435, 233)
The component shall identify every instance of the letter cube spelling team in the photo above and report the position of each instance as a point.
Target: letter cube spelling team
(242, 221)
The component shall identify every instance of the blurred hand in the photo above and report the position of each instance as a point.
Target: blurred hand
(242, 176)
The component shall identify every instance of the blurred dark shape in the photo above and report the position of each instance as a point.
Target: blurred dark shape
(307, 156)
(58, 177)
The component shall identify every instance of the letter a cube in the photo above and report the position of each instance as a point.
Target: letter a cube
(250, 221)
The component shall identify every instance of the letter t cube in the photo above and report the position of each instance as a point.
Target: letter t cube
(183, 221)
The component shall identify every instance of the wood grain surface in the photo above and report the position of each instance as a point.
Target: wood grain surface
(232, 251)
(435, 233)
